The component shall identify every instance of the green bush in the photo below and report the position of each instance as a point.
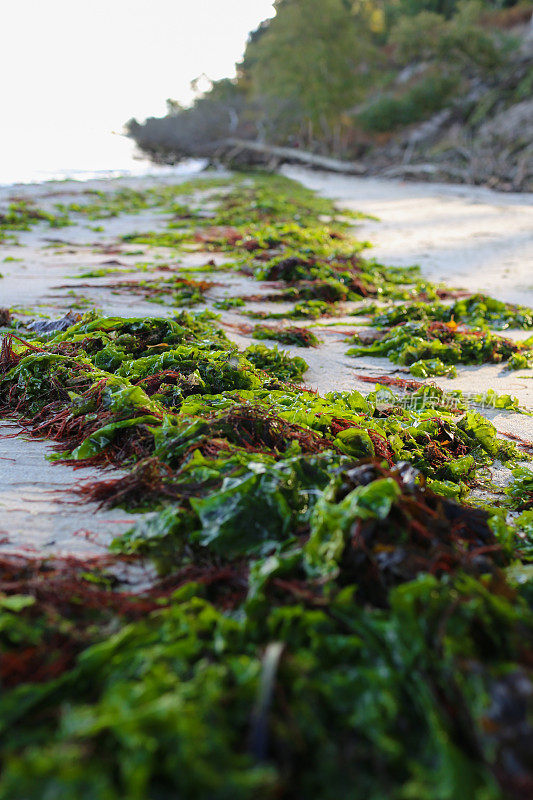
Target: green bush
(419, 102)
(418, 37)
(428, 35)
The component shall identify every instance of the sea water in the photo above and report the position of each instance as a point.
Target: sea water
(82, 154)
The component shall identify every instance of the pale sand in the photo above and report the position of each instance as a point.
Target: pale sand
(466, 236)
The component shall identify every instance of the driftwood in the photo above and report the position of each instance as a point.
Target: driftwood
(242, 150)
(426, 171)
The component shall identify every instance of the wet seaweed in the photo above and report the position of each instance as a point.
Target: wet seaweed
(331, 618)
(301, 337)
(277, 362)
(176, 291)
(476, 310)
(520, 490)
(22, 215)
(428, 347)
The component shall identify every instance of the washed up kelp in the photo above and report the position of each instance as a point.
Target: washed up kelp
(276, 362)
(291, 334)
(22, 215)
(521, 488)
(300, 693)
(316, 612)
(340, 612)
(276, 230)
(331, 274)
(454, 399)
(226, 303)
(306, 309)
(64, 598)
(180, 201)
(478, 310)
(331, 618)
(108, 389)
(107, 380)
(425, 347)
(176, 291)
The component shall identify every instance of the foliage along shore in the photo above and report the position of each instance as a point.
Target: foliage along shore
(423, 89)
(336, 614)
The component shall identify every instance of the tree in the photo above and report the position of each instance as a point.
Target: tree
(311, 64)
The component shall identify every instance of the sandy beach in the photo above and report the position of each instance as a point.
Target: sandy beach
(468, 237)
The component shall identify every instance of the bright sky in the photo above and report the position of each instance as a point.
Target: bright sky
(73, 66)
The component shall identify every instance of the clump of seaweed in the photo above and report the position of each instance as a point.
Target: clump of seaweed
(276, 362)
(415, 343)
(227, 303)
(520, 491)
(522, 360)
(421, 631)
(53, 608)
(150, 481)
(301, 337)
(22, 215)
(179, 201)
(401, 529)
(176, 291)
(104, 390)
(477, 310)
(306, 309)
(255, 428)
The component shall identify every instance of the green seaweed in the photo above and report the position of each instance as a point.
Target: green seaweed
(22, 215)
(428, 367)
(334, 619)
(276, 362)
(227, 303)
(413, 342)
(520, 491)
(476, 310)
(301, 337)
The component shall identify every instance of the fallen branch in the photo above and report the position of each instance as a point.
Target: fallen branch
(233, 148)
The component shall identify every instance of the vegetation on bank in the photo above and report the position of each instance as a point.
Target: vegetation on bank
(355, 79)
(336, 614)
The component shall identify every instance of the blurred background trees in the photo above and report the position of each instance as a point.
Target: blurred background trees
(312, 63)
(342, 77)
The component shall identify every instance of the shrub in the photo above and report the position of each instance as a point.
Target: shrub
(428, 35)
(422, 100)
